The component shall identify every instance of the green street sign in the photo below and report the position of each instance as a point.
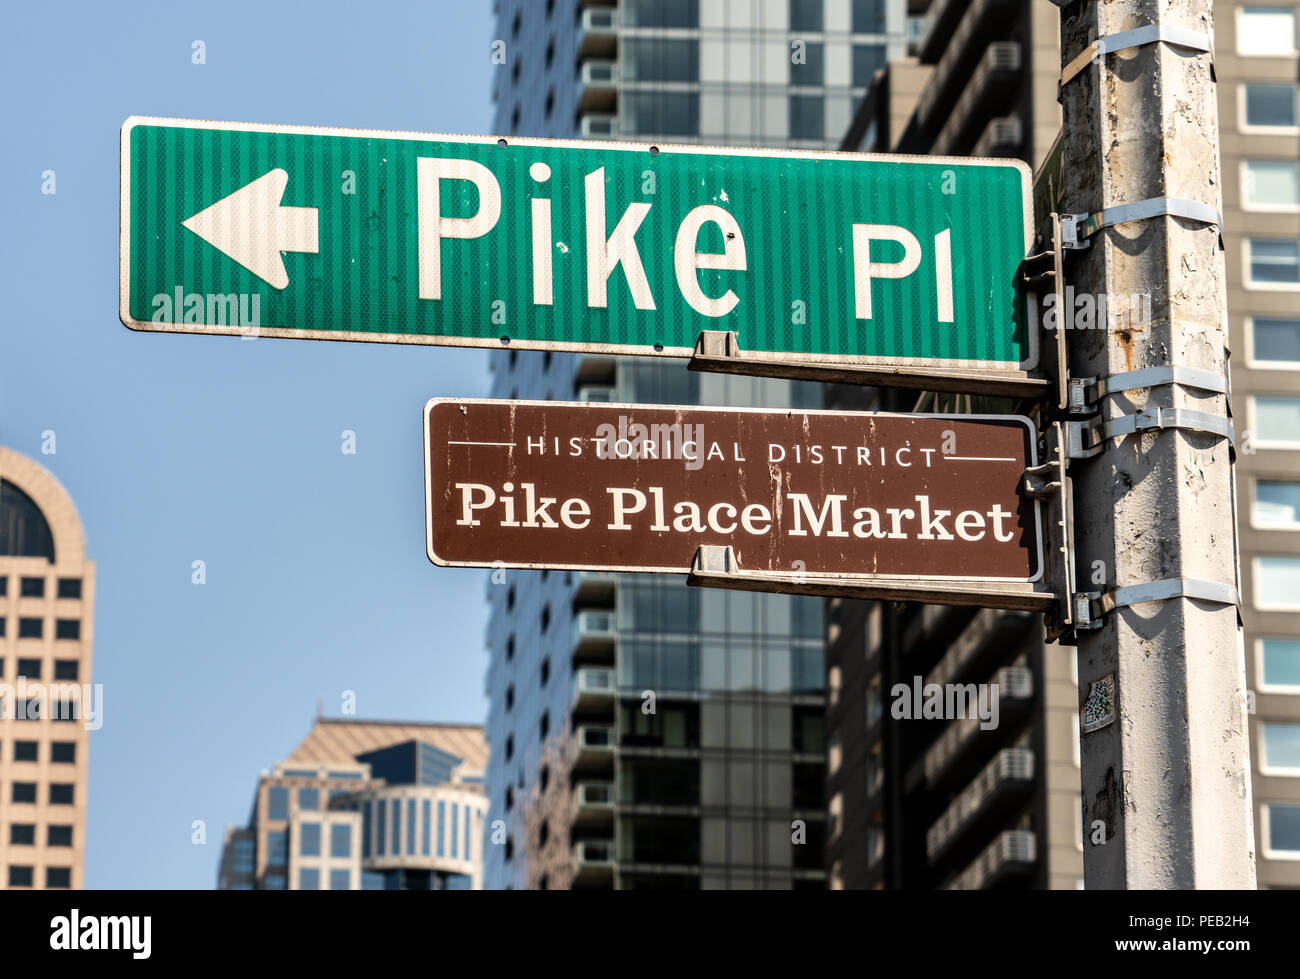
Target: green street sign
(289, 231)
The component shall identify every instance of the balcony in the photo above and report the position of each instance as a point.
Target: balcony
(992, 632)
(593, 859)
(597, 90)
(996, 78)
(1010, 771)
(1012, 853)
(598, 33)
(604, 126)
(1015, 689)
(593, 687)
(595, 369)
(593, 803)
(595, 589)
(593, 634)
(981, 23)
(1001, 137)
(593, 743)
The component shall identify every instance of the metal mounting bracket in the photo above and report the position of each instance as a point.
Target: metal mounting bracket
(1087, 438)
(719, 351)
(1075, 228)
(1049, 482)
(1150, 34)
(1085, 392)
(1090, 607)
(715, 566)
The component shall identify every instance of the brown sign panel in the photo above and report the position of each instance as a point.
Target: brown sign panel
(544, 484)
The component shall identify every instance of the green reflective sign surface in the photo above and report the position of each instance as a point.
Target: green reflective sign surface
(627, 248)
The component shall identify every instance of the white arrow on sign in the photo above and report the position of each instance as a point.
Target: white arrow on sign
(252, 227)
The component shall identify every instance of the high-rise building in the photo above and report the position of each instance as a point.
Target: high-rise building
(47, 601)
(645, 734)
(366, 805)
(944, 803)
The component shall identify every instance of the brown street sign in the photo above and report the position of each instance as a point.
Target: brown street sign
(609, 487)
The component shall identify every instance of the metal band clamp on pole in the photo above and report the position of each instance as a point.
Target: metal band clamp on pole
(1150, 34)
(1076, 227)
(1087, 391)
(1091, 606)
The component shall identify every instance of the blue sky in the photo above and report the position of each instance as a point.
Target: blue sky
(183, 448)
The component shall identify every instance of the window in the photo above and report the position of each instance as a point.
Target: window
(66, 710)
(510, 697)
(410, 827)
(510, 648)
(31, 588)
(275, 882)
(807, 117)
(61, 793)
(545, 726)
(277, 803)
(442, 814)
(806, 15)
(381, 823)
(1268, 31)
(69, 588)
(22, 834)
(1282, 830)
(810, 69)
(30, 668)
(340, 842)
(308, 879)
(1277, 582)
(396, 808)
(58, 876)
(67, 629)
(1281, 743)
(64, 752)
(23, 792)
(546, 617)
(340, 880)
(1279, 665)
(662, 114)
(455, 824)
(31, 709)
(1270, 185)
(1272, 262)
(546, 670)
(25, 750)
(510, 746)
(58, 836)
(1277, 504)
(425, 823)
(1276, 419)
(4, 586)
(550, 52)
(29, 629)
(868, 16)
(1275, 339)
(20, 876)
(309, 799)
(867, 60)
(277, 847)
(66, 669)
(309, 840)
(1271, 106)
(660, 13)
